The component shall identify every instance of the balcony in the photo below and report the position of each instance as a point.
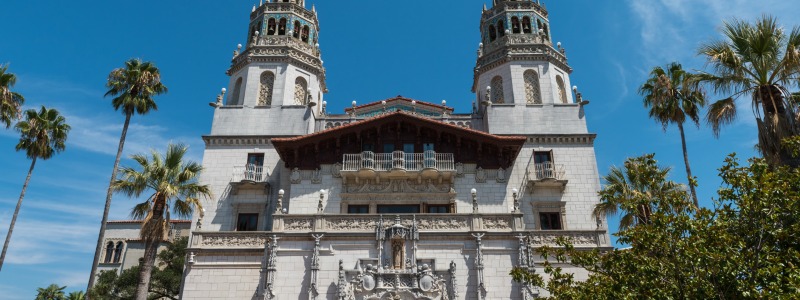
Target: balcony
(398, 164)
(249, 176)
(546, 175)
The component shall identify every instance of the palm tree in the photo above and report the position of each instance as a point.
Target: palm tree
(673, 95)
(43, 134)
(10, 102)
(133, 88)
(762, 61)
(77, 295)
(173, 183)
(51, 292)
(635, 190)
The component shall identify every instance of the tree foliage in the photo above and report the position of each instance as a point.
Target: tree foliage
(51, 292)
(165, 282)
(760, 60)
(746, 247)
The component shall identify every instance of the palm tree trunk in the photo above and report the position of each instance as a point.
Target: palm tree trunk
(146, 269)
(16, 212)
(110, 192)
(152, 234)
(688, 169)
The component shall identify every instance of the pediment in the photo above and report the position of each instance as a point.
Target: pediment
(399, 103)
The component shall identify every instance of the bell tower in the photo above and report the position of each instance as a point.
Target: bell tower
(521, 73)
(277, 80)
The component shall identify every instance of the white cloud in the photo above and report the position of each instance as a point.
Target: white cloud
(673, 29)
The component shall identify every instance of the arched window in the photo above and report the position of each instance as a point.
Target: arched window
(282, 27)
(492, 33)
(118, 252)
(271, 26)
(515, 25)
(233, 99)
(562, 91)
(532, 94)
(109, 252)
(526, 24)
(497, 90)
(501, 28)
(538, 24)
(300, 87)
(296, 30)
(304, 34)
(265, 90)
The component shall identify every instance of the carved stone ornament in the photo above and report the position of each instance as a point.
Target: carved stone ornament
(316, 177)
(480, 175)
(501, 175)
(336, 170)
(497, 223)
(295, 177)
(460, 169)
(229, 240)
(299, 224)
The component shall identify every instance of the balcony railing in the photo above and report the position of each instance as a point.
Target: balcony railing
(398, 160)
(547, 170)
(250, 173)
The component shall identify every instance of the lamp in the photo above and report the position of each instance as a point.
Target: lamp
(474, 193)
(279, 206)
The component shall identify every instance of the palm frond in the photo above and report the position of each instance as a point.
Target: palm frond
(721, 113)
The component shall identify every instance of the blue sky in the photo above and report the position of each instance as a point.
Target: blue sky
(62, 52)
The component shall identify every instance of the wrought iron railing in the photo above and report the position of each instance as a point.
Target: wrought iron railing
(398, 160)
(547, 170)
(250, 172)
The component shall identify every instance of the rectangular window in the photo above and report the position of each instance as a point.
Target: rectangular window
(550, 221)
(398, 209)
(542, 157)
(427, 147)
(408, 148)
(439, 209)
(358, 209)
(388, 148)
(368, 147)
(247, 222)
(256, 159)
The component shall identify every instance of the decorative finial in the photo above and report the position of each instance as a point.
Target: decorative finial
(219, 99)
(254, 8)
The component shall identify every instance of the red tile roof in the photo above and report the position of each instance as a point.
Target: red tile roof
(400, 98)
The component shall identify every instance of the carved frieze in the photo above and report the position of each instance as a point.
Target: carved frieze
(298, 224)
(231, 240)
(350, 224)
(497, 223)
(443, 223)
(576, 238)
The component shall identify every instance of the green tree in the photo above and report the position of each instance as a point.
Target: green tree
(673, 96)
(51, 292)
(42, 135)
(10, 102)
(746, 247)
(133, 88)
(77, 295)
(631, 190)
(165, 281)
(760, 60)
(173, 183)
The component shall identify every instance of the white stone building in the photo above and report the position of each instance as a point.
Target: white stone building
(395, 199)
(122, 248)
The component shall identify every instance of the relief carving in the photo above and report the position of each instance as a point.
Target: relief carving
(233, 240)
(496, 223)
(298, 224)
